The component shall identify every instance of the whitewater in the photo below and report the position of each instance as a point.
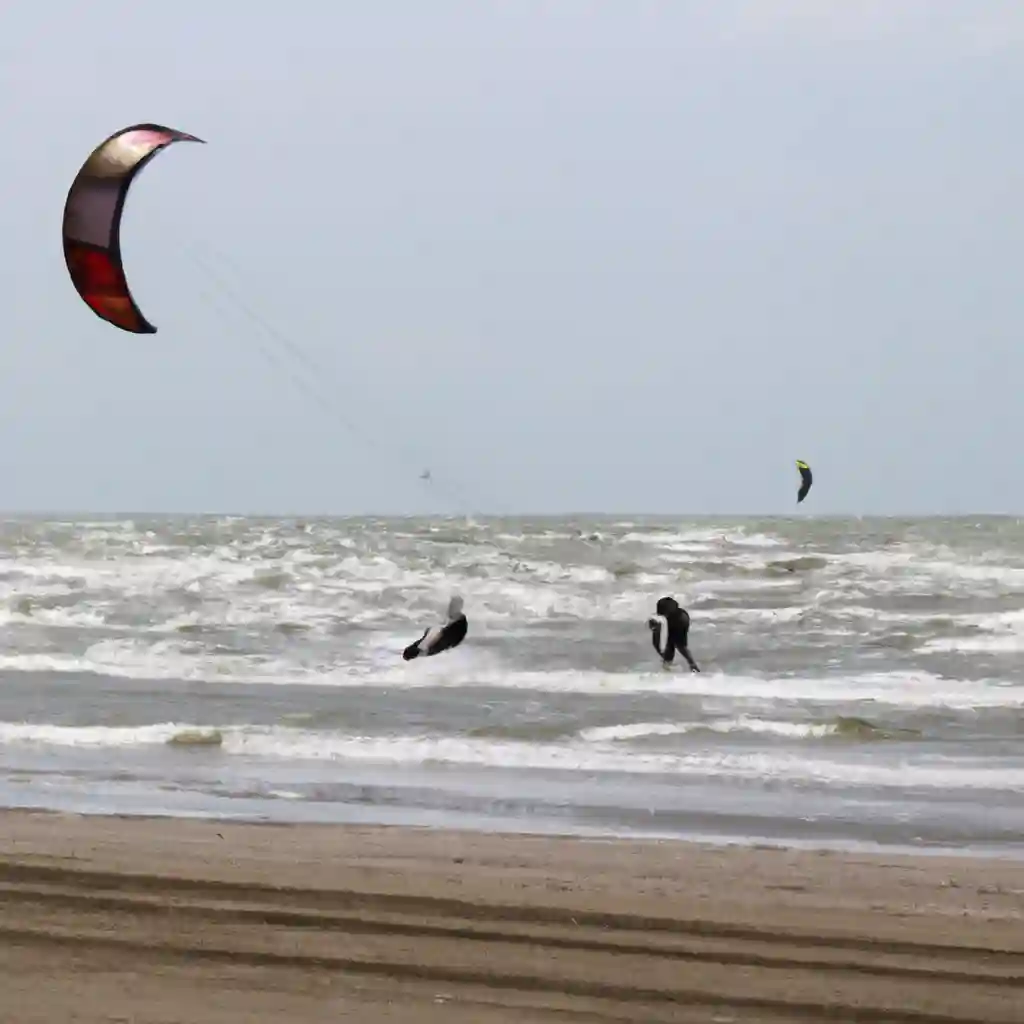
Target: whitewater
(862, 680)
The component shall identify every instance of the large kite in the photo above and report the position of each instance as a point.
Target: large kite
(806, 479)
(92, 221)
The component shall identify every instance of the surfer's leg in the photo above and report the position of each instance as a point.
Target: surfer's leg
(682, 637)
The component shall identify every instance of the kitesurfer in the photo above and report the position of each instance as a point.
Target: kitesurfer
(441, 638)
(670, 629)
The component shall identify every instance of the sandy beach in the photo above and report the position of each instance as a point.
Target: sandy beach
(162, 920)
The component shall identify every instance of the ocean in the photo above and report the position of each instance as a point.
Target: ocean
(862, 680)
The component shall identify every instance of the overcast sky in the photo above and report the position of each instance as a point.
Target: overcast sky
(607, 256)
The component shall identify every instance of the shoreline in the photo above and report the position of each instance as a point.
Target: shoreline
(506, 827)
(174, 919)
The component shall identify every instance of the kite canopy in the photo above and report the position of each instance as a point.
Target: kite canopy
(806, 479)
(92, 221)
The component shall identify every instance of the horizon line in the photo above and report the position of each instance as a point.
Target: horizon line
(796, 515)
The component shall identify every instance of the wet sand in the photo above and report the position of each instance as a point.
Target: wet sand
(201, 922)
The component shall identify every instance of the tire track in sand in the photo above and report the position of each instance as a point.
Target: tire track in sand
(616, 959)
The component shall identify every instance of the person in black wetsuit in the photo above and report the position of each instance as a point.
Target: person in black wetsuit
(670, 629)
(440, 638)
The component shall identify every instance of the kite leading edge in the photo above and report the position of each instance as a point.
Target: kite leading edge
(92, 221)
